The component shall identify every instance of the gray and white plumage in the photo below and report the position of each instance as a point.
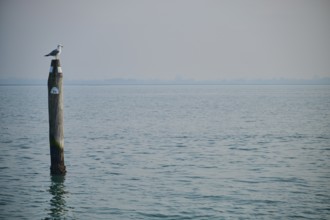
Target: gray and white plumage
(55, 53)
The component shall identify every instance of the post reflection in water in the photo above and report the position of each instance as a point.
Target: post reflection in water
(58, 208)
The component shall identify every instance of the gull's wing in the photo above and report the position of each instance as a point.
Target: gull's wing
(53, 53)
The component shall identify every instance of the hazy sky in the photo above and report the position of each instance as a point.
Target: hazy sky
(165, 39)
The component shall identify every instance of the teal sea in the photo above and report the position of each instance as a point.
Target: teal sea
(168, 152)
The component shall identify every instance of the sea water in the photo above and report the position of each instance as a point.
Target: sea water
(168, 152)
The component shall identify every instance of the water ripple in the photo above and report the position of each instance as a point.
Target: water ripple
(169, 152)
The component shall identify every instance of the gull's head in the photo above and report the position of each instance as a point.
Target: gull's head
(59, 46)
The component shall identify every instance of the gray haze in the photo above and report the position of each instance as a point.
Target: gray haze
(166, 39)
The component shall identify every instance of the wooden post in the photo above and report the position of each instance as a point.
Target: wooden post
(55, 109)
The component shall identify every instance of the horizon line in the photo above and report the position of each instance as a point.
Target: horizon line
(126, 81)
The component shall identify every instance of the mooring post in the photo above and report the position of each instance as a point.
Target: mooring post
(55, 109)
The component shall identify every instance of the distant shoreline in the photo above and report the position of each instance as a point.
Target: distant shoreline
(317, 81)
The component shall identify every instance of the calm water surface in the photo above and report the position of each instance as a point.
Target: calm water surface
(168, 152)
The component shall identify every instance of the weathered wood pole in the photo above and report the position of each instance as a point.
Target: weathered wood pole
(55, 109)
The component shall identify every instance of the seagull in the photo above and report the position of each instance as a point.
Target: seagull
(55, 53)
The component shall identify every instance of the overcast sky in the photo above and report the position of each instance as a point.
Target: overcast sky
(166, 39)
